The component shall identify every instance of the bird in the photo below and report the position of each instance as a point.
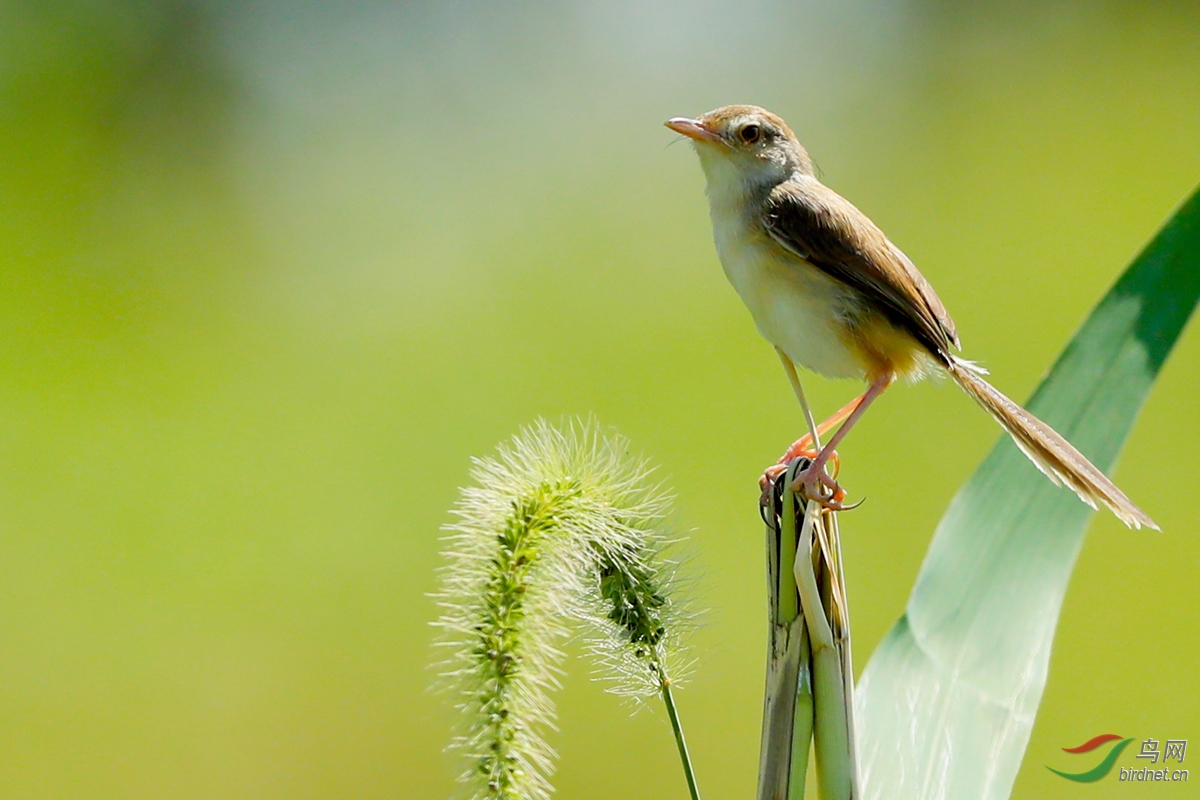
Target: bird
(832, 293)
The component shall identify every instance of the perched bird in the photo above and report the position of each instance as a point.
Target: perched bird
(832, 293)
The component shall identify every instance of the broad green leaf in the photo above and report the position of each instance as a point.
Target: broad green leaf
(947, 702)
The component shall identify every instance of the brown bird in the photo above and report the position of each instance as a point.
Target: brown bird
(832, 293)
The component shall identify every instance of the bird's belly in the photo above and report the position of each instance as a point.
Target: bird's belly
(797, 307)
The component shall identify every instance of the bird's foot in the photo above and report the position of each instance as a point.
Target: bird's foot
(803, 448)
(815, 484)
(810, 483)
(766, 482)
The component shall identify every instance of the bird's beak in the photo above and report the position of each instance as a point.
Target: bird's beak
(693, 129)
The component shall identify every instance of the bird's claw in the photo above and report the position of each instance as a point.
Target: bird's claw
(813, 483)
(802, 448)
(810, 484)
(766, 482)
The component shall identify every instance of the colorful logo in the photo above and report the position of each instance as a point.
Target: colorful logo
(1104, 767)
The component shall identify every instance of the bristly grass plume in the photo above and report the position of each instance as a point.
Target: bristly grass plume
(559, 526)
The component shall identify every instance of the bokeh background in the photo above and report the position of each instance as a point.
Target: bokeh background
(273, 272)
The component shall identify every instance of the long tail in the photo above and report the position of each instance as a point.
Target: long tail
(1052, 454)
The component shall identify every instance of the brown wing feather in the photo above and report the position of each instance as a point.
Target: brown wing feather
(825, 229)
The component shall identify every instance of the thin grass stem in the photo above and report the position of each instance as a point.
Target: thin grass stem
(677, 728)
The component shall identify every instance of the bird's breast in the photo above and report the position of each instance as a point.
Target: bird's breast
(797, 307)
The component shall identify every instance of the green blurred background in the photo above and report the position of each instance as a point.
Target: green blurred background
(272, 272)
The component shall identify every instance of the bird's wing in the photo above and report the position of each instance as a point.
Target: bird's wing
(822, 227)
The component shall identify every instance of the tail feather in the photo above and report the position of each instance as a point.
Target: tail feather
(1049, 451)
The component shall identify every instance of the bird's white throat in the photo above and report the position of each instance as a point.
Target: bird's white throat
(796, 306)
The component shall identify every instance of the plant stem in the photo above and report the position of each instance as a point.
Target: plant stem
(787, 706)
(684, 758)
(836, 767)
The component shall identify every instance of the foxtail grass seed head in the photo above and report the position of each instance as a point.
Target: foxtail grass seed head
(637, 620)
(559, 525)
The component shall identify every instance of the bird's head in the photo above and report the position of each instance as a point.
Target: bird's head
(744, 148)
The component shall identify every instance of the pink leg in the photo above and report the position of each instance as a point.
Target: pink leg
(804, 445)
(814, 475)
(775, 470)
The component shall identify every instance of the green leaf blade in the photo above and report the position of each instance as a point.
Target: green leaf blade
(947, 703)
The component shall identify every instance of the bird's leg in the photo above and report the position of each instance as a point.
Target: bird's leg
(809, 444)
(790, 369)
(814, 475)
(804, 446)
(814, 432)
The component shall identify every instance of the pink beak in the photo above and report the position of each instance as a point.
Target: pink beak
(693, 129)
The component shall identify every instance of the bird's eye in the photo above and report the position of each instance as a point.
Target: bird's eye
(750, 134)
